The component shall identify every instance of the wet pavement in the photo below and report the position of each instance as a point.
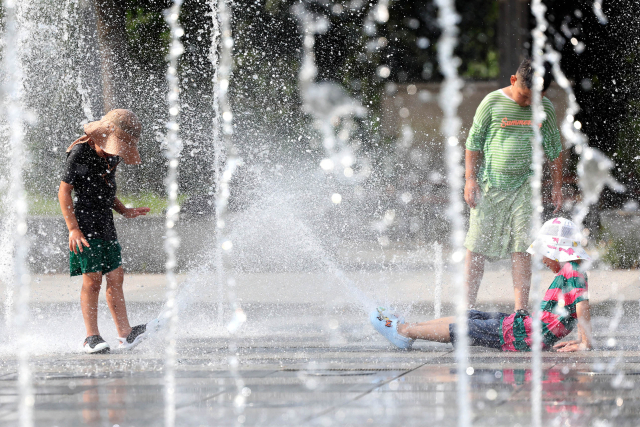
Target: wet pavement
(304, 367)
(308, 357)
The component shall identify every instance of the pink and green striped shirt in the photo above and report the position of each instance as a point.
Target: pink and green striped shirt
(558, 312)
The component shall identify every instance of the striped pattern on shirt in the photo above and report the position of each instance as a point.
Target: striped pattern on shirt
(558, 312)
(502, 131)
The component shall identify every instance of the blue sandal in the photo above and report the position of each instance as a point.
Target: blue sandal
(386, 322)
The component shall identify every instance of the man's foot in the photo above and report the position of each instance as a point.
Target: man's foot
(138, 334)
(386, 322)
(95, 345)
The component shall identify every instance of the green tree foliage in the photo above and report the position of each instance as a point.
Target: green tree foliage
(412, 34)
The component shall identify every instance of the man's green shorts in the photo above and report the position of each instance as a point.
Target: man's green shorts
(102, 256)
(501, 223)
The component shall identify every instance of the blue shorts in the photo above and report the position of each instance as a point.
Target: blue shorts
(485, 329)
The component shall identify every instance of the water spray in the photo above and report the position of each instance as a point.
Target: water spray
(594, 167)
(172, 242)
(226, 163)
(539, 38)
(437, 290)
(597, 10)
(216, 131)
(449, 100)
(13, 92)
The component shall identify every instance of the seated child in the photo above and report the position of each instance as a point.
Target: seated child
(565, 305)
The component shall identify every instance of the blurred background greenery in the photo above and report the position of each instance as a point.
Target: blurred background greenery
(600, 60)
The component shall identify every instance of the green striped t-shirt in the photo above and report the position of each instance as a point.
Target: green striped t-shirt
(502, 131)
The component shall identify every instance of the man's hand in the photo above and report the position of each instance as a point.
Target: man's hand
(569, 346)
(135, 212)
(77, 240)
(556, 197)
(472, 192)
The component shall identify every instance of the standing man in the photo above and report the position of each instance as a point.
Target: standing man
(498, 167)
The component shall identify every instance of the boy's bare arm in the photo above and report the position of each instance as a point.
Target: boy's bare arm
(472, 160)
(584, 331)
(126, 212)
(76, 238)
(556, 178)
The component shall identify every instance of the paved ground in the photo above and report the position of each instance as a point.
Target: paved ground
(308, 358)
(294, 380)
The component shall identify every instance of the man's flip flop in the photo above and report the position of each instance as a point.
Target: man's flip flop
(386, 323)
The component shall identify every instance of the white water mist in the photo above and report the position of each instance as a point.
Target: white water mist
(13, 94)
(597, 10)
(539, 38)
(172, 242)
(226, 163)
(331, 107)
(449, 100)
(594, 167)
(216, 133)
(437, 289)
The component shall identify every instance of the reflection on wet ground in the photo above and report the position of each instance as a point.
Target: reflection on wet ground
(314, 379)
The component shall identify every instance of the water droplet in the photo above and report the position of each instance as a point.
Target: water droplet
(326, 164)
(383, 71)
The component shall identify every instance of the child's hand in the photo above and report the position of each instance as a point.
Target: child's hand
(77, 240)
(135, 212)
(569, 346)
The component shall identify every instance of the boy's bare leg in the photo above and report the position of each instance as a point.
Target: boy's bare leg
(433, 330)
(473, 272)
(89, 301)
(521, 273)
(115, 300)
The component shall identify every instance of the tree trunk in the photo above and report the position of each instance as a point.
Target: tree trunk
(513, 30)
(112, 36)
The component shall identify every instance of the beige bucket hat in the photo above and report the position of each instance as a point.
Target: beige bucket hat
(117, 133)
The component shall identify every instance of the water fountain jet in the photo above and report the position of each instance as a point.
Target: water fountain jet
(13, 90)
(449, 100)
(172, 242)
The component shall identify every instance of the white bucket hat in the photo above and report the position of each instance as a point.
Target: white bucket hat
(559, 240)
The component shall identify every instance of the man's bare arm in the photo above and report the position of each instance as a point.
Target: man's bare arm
(472, 161)
(556, 178)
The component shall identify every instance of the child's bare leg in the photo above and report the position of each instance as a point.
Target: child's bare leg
(521, 273)
(473, 272)
(89, 301)
(115, 300)
(433, 330)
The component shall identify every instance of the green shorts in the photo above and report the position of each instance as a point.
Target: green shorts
(100, 257)
(501, 223)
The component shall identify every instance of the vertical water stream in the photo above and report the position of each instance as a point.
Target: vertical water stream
(439, 270)
(539, 38)
(172, 242)
(13, 93)
(449, 100)
(226, 163)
